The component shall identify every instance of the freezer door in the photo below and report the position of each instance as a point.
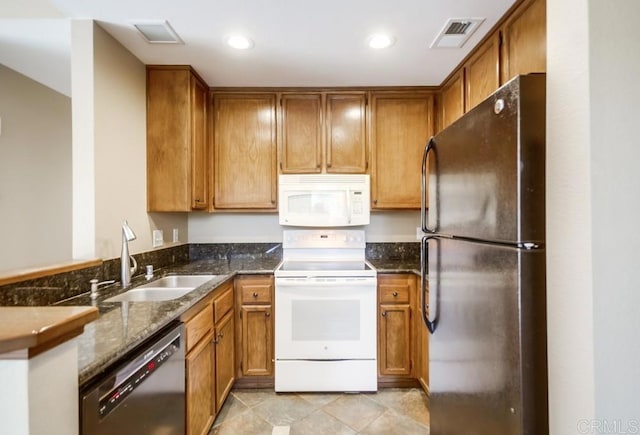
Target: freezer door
(487, 351)
(486, 170)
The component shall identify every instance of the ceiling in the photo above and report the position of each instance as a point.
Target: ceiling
(296, 42)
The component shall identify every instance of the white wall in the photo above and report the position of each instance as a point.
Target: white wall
(397, 226)
(592, 216)
(35, 173)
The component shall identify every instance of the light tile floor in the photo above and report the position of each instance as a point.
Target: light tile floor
(389, 411)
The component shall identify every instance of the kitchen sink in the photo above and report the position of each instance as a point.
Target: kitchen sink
(178, 281)
(163, 289)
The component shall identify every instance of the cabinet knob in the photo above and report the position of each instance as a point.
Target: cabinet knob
(255, 295)
(267, 314)
(221, 335)
(375, 202)
(384, 314)
(197, 199)
(395, 294)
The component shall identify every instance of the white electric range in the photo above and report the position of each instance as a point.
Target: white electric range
(325, 313)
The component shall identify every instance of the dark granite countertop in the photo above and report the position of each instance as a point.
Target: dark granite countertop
(123, 326)
(395, 266)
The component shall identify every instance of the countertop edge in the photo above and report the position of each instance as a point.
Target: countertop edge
(39, 328)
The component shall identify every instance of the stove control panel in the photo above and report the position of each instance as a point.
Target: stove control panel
(323, 239)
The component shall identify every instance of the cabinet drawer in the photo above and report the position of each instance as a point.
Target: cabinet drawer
(392, 293)
(256, 293)
(199, 326)
(223, 304)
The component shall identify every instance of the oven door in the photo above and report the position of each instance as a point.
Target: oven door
(324, 318)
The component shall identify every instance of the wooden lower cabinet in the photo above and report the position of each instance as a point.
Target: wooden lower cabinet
(403, 359)
(224, 358)
(254, 331)
(422, 334)
(210, 358)
(395, 340)
(199, 369)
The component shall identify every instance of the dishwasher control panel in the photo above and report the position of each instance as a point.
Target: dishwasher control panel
(152, 362)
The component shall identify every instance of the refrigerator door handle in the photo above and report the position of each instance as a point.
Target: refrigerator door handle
(431, 324)
(423, 206)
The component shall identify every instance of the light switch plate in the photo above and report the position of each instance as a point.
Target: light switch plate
(158, 238)
(175, 235)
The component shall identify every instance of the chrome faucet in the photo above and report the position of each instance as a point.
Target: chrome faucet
(126, 270)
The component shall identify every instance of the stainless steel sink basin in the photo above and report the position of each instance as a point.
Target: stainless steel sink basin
(178, 281)
(163, 289)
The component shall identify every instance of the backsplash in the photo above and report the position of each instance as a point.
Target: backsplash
(54, 288)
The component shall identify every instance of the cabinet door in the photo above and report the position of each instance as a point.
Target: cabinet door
(168, 139)
(301, 133)
(482, 72)
(524, 48)
(422, 334)
(245, 152)
(199, 393)
(452, 100)
(401, 125)
(346, 148)
(224, 359)
(257, 340)
(395, 340)
(199, 161)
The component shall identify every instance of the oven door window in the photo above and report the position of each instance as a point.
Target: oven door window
(332, 321)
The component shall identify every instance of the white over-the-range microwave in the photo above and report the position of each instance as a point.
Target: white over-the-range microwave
(324, 200)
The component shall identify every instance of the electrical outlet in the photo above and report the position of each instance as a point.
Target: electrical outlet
(175, 235)
(158, 238)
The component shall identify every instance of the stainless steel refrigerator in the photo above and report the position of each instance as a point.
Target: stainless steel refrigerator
(484, 213)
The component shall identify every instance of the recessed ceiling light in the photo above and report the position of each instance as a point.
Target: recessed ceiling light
(239, 42)
(381, 40)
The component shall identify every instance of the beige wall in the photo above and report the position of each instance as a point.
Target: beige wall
(35, 173)
(120, 151)
(593, 248)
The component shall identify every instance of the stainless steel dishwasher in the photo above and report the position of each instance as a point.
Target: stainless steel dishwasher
(144, 395)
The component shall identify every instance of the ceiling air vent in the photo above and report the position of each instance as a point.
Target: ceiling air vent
(157, 32)
(455, 32)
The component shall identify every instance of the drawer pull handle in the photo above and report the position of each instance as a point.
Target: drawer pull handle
(255, 295)
(395, 294)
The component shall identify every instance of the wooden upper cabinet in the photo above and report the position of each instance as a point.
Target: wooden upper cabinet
(482, 72)
(524, 45)
(346, 149)
(452, 100)
(401, 125)
(301, 133)
(323, 132)
(244, 141)
(177, 169)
